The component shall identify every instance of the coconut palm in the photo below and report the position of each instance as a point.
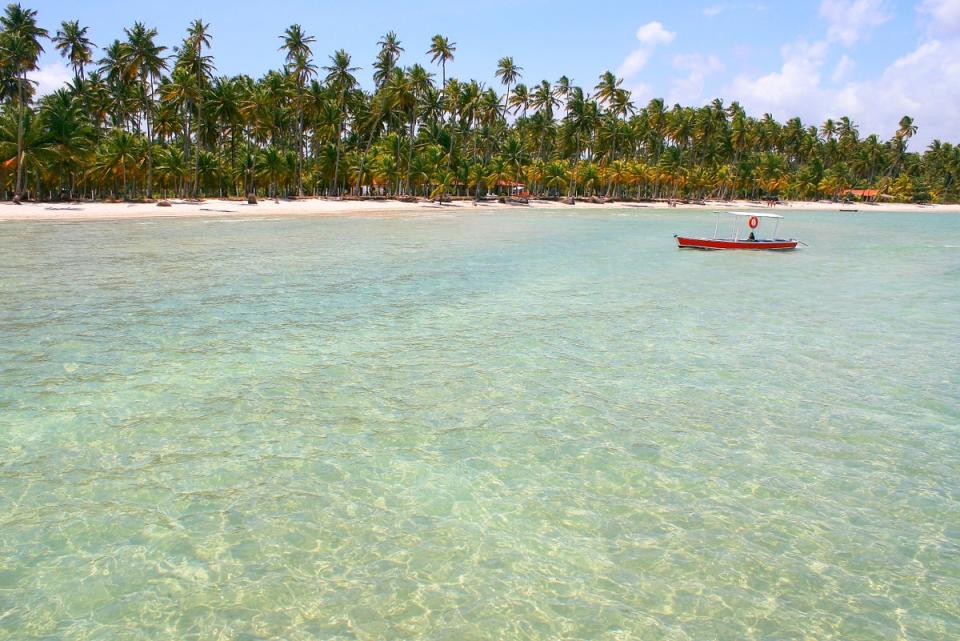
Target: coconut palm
(410, 133)
(543, 99)
(341, 80)
(28, 137)
(69, 135)
(119, 152)
(20, 49)
(442, 49)
(508, 73)
(201, 69)
(520, 100)
(402, 98)
(296, 42)
(74, 45)
(299, 55)
(390, 50)
(144, 60)
(608, 87)
(907, 129)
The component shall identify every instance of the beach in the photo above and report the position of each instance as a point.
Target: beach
(333, 207)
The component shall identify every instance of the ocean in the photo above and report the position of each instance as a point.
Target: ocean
(518, 425)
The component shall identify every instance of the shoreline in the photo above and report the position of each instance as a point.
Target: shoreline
(217, 208)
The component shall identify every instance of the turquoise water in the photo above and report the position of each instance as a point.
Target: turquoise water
(531, 425)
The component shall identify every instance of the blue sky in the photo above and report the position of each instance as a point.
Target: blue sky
(874, 60)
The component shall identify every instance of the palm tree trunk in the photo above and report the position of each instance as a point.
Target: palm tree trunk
(363, 158)
(336, 164)
(147, 102)
(300, 149)
(18, 191)
(196, 157)
(506, 103)
(613, 158)
(186, 133)
(413, 122)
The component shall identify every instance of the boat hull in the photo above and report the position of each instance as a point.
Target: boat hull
(751, 245)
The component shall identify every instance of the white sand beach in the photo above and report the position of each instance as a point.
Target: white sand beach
(76, 211)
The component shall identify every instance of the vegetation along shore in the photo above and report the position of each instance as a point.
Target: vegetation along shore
(141, 121)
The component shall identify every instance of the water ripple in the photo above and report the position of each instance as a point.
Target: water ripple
(524, 426)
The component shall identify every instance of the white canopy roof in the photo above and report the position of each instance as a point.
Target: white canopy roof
(748, 214)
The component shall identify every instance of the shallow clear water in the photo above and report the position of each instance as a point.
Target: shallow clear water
(510, 426)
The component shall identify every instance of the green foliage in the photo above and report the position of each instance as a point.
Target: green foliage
(141, 117)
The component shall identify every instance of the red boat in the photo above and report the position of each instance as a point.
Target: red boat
(751, 241)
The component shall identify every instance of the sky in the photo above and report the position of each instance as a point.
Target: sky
(872, 60)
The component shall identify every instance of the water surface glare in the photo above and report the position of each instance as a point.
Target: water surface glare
(524, 425)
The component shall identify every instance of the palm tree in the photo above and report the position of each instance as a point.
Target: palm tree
(341, 80)
(562, 90)
(144, 60)
(69, 133)
(299, 54)
(223, 107)
(520, 100)
(907, 129)
(119, 151)
(607, 88)
(295, 41)
(409, 134)
(20, 47)
(829, 129)
(404, 90)
(847, 131)
(508, 72)
(390, 51)
(201, 69)
(37, 154)
(442, 49)
(543, 99)
(74, 45)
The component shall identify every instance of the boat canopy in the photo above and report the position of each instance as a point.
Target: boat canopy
(748, 214)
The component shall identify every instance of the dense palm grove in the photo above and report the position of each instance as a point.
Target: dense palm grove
(143, 121)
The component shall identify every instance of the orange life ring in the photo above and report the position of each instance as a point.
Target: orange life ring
(753, 222)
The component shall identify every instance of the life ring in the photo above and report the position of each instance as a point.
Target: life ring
(753, 222)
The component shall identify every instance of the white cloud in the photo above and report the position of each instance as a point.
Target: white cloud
(924, 84)
(634, 62)
(848, 19)
(697, 62)
(689, 89)
(716, 9)
(794, 85)
(50, 77)
(650, 35)
(843, 68)
(943, 16)
(653, 34)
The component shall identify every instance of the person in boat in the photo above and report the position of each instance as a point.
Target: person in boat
(751, 238)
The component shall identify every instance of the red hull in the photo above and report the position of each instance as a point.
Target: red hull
(716, 243)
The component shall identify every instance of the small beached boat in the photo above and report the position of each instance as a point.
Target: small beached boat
(741, 238)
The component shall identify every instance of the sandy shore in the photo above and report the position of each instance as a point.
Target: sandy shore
(324, 207)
